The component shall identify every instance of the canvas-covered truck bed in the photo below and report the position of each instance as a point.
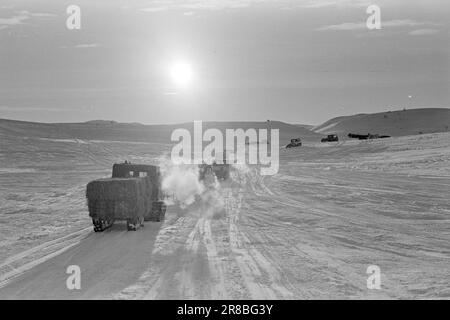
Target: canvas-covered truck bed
(133, 195)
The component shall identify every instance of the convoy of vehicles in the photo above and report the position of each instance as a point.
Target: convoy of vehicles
(133, 193)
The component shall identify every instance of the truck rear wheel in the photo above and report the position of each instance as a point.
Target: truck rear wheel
(134, 224)
(102, 224)
(131, 225)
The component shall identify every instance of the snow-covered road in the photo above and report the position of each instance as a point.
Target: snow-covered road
(309, 232)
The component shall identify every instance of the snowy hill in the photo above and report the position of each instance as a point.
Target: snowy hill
(113, 131)
(394, 123)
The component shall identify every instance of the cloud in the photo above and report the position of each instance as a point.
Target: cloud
(38, 14)
(423, 32)
(384, 24)
(21, 109)
(88, 45)
(159, 5)
(328, 3)
(154, 9)
(83, 46)
(14, 21)
(199, 5)
(20, 18)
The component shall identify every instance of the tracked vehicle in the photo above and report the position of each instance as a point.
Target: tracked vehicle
(367, 136)
(330, 138)
(133, 194)
(297, 142)
(221, 171)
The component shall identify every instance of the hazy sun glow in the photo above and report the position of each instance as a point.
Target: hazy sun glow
(181, 74)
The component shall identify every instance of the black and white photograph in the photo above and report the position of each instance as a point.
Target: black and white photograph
(242, 151)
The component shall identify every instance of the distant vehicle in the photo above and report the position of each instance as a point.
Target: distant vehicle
(221, 171)
(133, 194)
(330, 138)
(358, 136)
(367, 136)
(297, 142)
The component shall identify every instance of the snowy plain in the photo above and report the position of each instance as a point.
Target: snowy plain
(309, 232)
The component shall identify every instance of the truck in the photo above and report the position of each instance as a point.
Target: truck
(330, 138)
(132, 194)
(297, 142)
(367, 136)
(220, 170)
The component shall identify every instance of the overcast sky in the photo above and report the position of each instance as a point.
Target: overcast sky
(297, 61)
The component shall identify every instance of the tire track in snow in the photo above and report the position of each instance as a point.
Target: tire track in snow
(159, 279)
(215, 263)
(190, 252)
(261, 279)
(179, 276)
(19, 263)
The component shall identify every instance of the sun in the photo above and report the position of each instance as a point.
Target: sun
(181, 74)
